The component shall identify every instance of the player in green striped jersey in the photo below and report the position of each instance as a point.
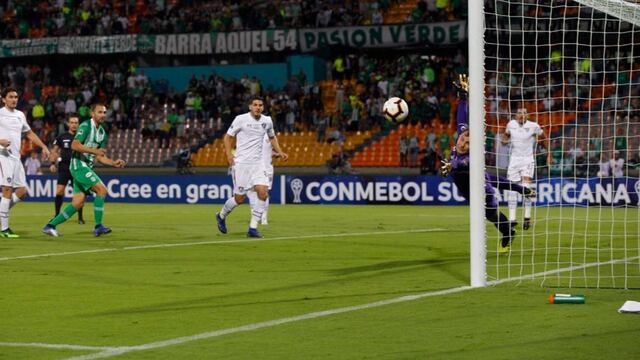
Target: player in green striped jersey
(88, 146)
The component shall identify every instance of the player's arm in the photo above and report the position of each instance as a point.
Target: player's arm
(104, 160)
(228, 148)
(53, 157)
(462, 111)
(545, 141)
(36, 140)
(278, 151)
(506, 136)
(229, 138)
(76, 145)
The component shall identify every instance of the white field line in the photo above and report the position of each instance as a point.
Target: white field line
(233, 241)
(111, 352)
(57, 346)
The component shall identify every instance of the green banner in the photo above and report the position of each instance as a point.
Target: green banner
(237, 42)
(70, 45)
(435, 34)
(243, 42)
(28, 47)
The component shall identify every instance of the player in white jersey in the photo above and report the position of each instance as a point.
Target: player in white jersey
(13, 124)
(247, 164)
(267, 156)
(523, 135)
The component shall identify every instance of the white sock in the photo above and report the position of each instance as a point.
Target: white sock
(512, 200)
(14, 200)
(253, 197)
(5, 204)
(256, 213)
(228, 207)
(264, 213)
(527, 204)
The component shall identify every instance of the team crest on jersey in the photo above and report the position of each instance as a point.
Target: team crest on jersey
(9, 180)
(264, 126)
(100, 136)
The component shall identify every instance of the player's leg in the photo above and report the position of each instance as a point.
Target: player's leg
(64, 178)
(258, 209)
(5, 202)
(252, 196)
(84, 180)
(19, 184)
(13, 189)
(264, 220)
(59, 196)
(499, 220)
(77, 202)
(240, 178)
(227, 208)
(527, 174)
(513, 174)
(98, 208)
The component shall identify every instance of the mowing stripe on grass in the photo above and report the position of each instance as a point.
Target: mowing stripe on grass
(233, 241)
(250, 327)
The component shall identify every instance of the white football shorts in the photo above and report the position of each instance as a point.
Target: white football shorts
(12, 172)
(246, 176)
(520, 167)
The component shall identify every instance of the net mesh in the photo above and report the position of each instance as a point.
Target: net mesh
(576, 71)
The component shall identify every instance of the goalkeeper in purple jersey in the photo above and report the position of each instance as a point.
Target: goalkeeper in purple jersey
(458, 168)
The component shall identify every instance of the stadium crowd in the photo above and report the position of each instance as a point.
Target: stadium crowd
(42, 18)
(158, 111)
(153, 107)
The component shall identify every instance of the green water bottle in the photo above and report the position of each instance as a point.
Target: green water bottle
(566, 299)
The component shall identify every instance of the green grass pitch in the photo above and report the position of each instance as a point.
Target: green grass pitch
(327, 282)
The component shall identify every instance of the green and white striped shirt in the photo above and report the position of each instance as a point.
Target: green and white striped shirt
(91, 136)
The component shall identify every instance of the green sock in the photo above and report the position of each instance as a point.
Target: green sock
(98, 209)
(64, 215)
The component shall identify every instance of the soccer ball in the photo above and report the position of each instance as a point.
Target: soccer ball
(395, 109)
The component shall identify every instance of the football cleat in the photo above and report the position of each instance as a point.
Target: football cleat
(51, 230)
(101, 230)
(8, 234)
(505, 243)
(81, 221)
(526, 224)
(222, 225)
(504, 249)
(253, 233)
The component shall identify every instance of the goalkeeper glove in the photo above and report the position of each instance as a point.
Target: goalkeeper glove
(529, 193)
(462, 86)
(445, 169)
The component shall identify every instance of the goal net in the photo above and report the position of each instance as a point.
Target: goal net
(574, 68)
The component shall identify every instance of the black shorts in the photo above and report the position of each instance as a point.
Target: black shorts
(64, 176)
